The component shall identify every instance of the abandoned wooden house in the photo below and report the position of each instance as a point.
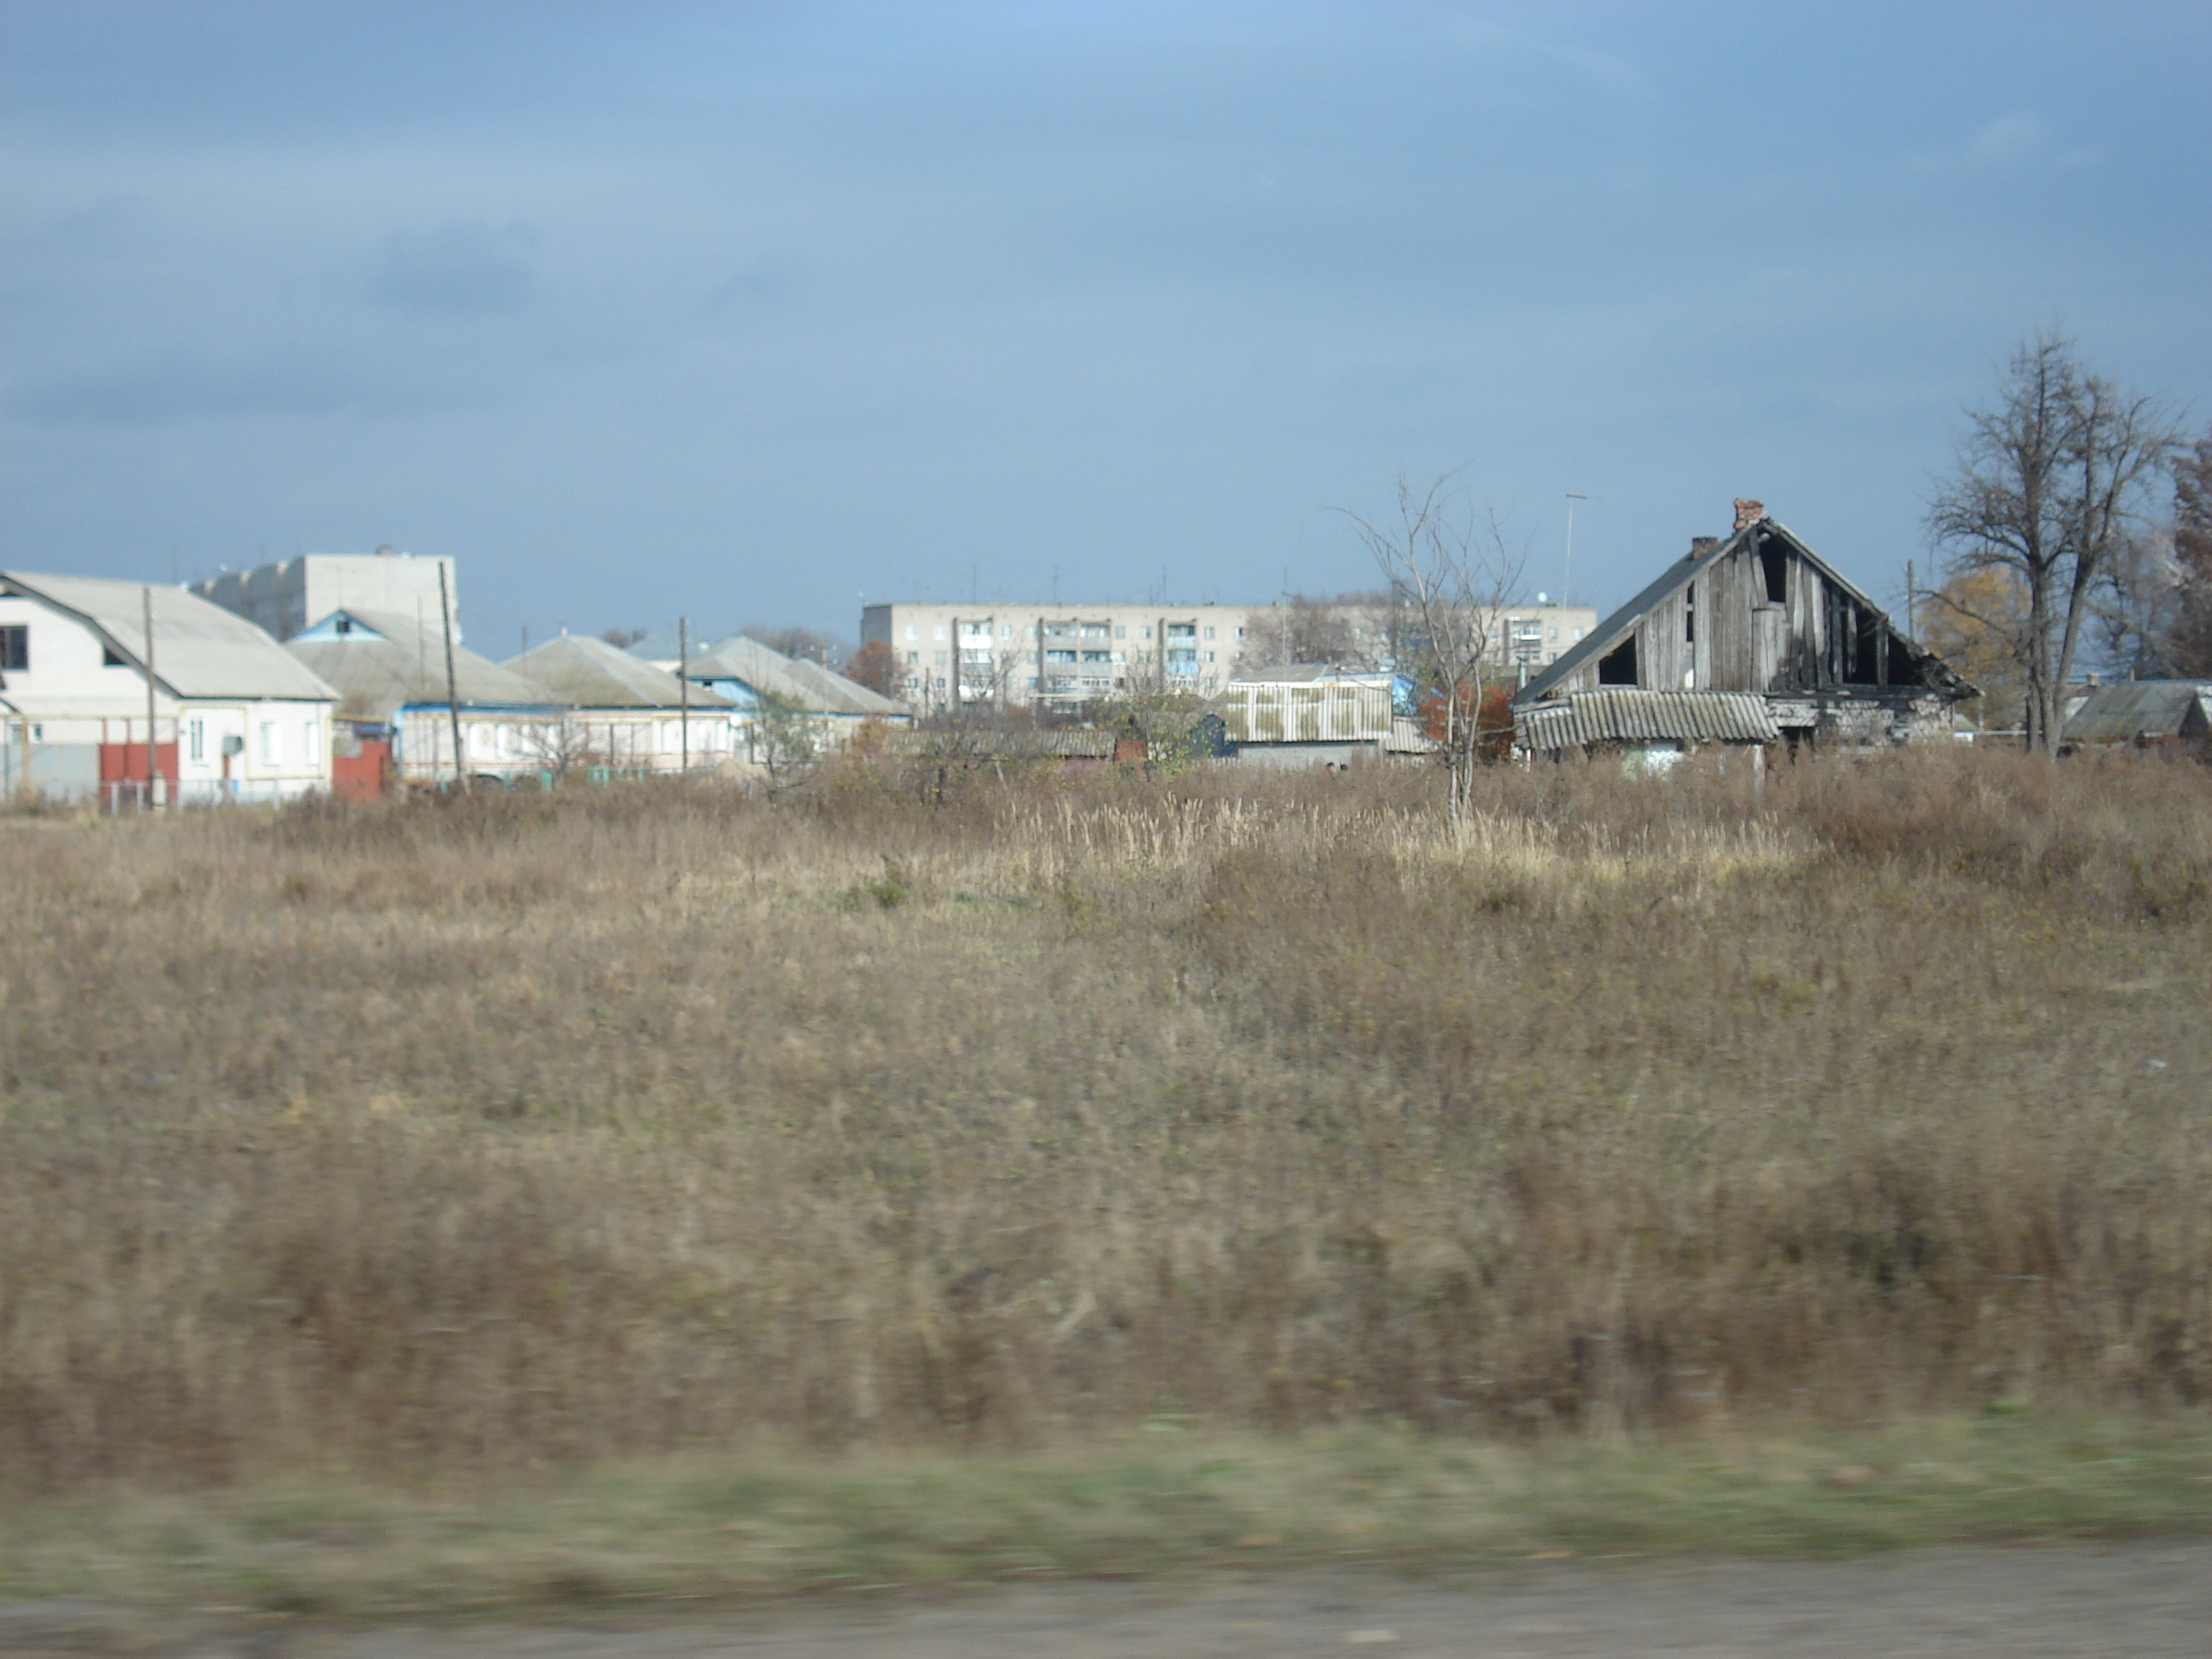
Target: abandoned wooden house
(1760, 612)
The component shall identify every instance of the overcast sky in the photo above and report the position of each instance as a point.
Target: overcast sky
(744, 310)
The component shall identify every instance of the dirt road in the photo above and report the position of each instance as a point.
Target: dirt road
(2138, 1600)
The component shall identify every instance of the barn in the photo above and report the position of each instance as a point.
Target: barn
(1761, 613)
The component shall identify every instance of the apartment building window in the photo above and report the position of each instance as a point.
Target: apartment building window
(1577, 633)
(1006, 630)
(938, 632)
(1555, 634)
(1209, 632)
(1146, 632)
(1209, 655)
(913, 632)
(15, 649)
(940, 655)
(1098, 656)
(913, 657)
(1120, 633)
(1060, 656)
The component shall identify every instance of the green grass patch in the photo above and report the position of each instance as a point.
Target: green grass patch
(762, 1527)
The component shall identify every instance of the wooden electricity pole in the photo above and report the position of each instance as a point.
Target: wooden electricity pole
(452, 697)
(152, 766)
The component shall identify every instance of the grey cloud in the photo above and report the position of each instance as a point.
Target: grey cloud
(463, 267)
(160, 389)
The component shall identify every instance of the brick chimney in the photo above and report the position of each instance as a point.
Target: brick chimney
(1748, 514)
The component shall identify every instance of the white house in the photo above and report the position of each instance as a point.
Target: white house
(234, 716)
(390, 671)
(623, 712)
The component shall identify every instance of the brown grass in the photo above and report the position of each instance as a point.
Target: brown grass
(436, 1141)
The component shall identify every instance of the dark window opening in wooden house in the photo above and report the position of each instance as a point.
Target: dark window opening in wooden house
(1861, 648)
(1618, 665)
(1690, 614)
(1775, 564)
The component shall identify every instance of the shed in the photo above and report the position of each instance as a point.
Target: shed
(2148, 713)
(1759, 613)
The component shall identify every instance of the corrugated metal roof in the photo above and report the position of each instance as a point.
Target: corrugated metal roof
(200, 649)
(376, 677)
(1306, 714)
(817, 689)
(589, 673)
(1624, 715)
(1310, 673)
(2128, 710)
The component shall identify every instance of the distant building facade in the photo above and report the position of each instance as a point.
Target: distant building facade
(287, 597)
(957, 655)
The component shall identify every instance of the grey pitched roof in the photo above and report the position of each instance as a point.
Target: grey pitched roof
(2128, 710)
(1616, 627)
(662, 645)
(589, 673)
(1309, 673)
(200, 649)
(1623, 714)
(813, 687)
(375, 677)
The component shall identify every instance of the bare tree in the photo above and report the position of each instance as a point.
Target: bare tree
(809, 644)
(2050, 484)
(785, 741)
(1449, 573)
(2190, 646)
(1301, 630)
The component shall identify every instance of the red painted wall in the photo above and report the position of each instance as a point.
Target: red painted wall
(365, 776)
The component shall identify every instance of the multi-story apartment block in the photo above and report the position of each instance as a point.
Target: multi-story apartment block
(1064, 655)
(289, 596)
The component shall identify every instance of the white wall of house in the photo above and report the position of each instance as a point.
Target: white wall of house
(71, 697)
(516, 743)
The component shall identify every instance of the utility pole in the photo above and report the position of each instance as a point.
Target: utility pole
(453, 697)
(1567, 570)
(683, 689)
(152, 766)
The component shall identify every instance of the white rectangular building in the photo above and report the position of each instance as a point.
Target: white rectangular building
(289, 596)
(1003, 654)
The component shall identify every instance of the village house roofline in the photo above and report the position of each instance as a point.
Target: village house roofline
(589, 673)
(396, 665)
(1616, 627)
(201, 651)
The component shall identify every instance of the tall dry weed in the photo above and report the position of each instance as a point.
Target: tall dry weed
(434, 1139)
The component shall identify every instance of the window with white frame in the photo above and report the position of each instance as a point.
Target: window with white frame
(311, 745)
(196, 740)
(272, 744)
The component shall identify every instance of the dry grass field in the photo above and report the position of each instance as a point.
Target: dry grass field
(501, 1136)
